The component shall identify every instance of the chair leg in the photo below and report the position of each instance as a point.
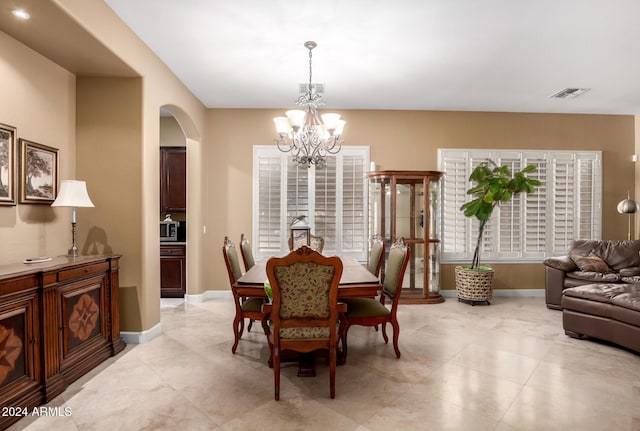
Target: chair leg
(396, 334)
(332, 371)
(267, 333)
(343, 339)
(237, 332)
(384, 332)
(276, 373)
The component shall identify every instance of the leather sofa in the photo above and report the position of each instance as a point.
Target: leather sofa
(591, 262)
(597, 287)
(609, 312)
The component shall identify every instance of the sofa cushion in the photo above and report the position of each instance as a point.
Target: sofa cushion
(617, 254)
(563, 263)
(595, 277)
(591, 263)
(596, 292)
(630, 272)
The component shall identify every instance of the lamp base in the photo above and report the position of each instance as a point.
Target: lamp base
(73, 251)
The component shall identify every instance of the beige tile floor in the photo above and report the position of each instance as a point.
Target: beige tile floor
(503, 367)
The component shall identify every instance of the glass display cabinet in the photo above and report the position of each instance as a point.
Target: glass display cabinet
(406, 204)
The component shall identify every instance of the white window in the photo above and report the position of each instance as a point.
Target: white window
(565, 207)
(334, 199)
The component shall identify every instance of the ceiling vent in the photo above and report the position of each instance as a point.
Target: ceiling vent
(569, 93)
(316, 88)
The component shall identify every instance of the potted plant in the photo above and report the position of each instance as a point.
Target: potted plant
(492, 185)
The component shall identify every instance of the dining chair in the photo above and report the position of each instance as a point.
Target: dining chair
(376, 256)
(316, 243)
(304, 310)
(246, 308)
(373, 312)
(246, 252)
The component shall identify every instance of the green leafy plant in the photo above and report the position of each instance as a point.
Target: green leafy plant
(493, 184)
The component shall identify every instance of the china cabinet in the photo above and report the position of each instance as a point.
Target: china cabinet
(406, 204)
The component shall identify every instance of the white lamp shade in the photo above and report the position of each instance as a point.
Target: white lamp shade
(330, 121)
(73, 194)
(283, 127)
(296, 118)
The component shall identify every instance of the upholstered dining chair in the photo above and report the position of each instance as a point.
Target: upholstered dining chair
(246, 308)
(246, 252)
(304, 311)
(316, 243)
(376, 256)
(372, 312)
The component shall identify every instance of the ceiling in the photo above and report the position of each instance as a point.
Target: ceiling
(490, 55)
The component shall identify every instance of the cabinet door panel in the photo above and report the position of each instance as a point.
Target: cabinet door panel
(82, 313)
(172, 276)
(173, 180)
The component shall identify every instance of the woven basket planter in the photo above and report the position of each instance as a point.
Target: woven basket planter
(474, 285)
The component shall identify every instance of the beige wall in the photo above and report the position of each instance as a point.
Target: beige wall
(38, 98)
(408, 140)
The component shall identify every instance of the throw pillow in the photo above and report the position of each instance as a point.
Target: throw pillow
(591, 263)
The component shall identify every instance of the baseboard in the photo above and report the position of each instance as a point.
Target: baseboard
(142, 337)
(209, 294)
(502, 293)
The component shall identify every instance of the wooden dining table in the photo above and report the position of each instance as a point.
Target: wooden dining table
(356, 281)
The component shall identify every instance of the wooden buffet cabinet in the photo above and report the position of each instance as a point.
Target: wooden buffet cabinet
(58, 320)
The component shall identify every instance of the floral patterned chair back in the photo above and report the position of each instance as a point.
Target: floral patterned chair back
(304, 311)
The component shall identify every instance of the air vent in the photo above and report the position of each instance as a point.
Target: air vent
(315, 88)
(569, 93)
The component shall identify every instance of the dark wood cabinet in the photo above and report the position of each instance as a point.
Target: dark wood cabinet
(172, 271)
(58, 320)
(173, 179)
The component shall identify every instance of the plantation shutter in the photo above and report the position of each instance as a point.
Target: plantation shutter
(534, 225)
(354, 206)
(531, 226)
(267, 174)
(334, 199)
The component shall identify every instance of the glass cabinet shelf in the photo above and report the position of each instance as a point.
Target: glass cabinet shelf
(406, 204)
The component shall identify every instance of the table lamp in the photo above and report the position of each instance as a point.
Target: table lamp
(73, 194)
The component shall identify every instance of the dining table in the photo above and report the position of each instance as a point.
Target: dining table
(356, 282)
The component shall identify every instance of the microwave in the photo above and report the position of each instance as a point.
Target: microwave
(169, 230)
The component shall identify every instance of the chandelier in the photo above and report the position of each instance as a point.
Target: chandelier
(308, 136)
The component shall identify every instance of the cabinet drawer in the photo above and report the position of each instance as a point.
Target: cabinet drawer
(82, 271)
(172, 250)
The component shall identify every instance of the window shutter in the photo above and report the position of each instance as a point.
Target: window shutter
(354, 205)
(267, 191)
(531, 226)
(334, 198)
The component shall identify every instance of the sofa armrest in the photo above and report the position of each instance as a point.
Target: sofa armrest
(554, 287)
(562, 263)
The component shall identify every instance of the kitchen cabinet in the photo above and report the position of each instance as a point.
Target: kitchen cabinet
(173, 265)
(58, 320)
(173, 179)
(407, 204)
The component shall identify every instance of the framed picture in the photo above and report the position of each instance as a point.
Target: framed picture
(8, 167)
(39, 172)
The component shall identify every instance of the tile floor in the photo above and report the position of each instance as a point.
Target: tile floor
(503, 367)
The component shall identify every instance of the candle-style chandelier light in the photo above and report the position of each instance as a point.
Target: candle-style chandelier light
(309, 137)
